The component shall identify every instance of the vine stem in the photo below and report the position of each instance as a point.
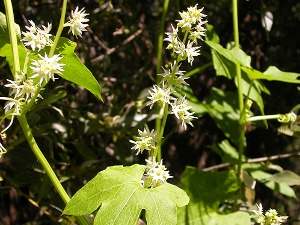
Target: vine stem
(158, 121)
(12, 36)
(161, 35)
(60, 28)
(240, 92)
(39, 155)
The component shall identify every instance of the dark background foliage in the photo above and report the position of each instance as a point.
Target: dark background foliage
(82, 136)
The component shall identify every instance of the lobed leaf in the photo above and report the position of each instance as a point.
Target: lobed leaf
(121, 198)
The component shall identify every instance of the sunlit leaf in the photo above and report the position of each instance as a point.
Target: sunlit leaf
(274, 74)
(74, 70)
(121, 197)
(257, 173)
(207, 191)
(286, 177)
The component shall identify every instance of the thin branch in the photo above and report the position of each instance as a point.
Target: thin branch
(255, 160)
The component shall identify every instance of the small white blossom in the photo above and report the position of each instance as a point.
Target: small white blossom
(22, 88)
(159, 95)
(191, 52)
(37, 38)
(145, 141)
(198, 33)
(12, 108)
(77, 22)
(173, 78)
(46, 67)
(156, 174)
(181, 109)
(172, 37)
(269, 218)
(192, 16)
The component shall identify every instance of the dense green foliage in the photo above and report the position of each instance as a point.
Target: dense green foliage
(81, 135)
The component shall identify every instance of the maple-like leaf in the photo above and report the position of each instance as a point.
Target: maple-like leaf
(121, 197)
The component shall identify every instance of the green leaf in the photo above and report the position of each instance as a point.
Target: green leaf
(225, 61)
(74, 70)
(207, 191)
(263, 177)
(121, 197)
(287, 177)
(227, 152)
(4, 33)
(211, 34)
(6, 51)
(274, 74)
(223, 108)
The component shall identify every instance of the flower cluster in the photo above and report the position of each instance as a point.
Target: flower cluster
(191, 28)
(191, 25)
(145, 141)
(270, 217)
(160, 94)
(46, 67)
(156, 174)
(37, 38)
(77, 22)
(26, 86)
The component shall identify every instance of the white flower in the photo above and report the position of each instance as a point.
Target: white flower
(77, 22)
(181, 109)
(145, 141)
(269, 218)
(12, 108)
(36, 37)
(156, 174)
(191, 52)
(198, 33)
(172, 38)
(159, 95)
(259, 214)
(192, 16)
(22, 88)
(173, 78)
(45, 68)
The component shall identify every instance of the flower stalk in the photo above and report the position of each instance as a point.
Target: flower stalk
(13, 36)
(242, 120)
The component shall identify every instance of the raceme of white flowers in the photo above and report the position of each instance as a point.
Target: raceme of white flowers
(270, 217)
(24, 88)
(183, 42)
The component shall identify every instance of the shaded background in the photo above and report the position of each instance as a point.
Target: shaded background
(82, 136)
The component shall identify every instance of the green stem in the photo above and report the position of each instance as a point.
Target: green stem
(60, 28)
(267, 117)
(157, 152)
(39, 155)
(161, 35)
(240, 91)
(13, 36)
